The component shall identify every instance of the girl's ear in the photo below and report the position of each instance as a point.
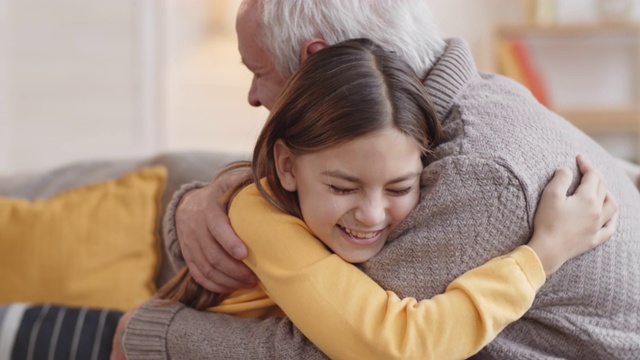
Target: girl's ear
(285, 168)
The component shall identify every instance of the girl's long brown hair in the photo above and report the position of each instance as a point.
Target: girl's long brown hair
(345, 91)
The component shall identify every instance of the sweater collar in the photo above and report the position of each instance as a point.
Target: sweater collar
(449, 75)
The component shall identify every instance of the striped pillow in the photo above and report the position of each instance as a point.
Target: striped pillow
(55, 332)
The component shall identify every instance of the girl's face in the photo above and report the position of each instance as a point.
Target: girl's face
(354, 194)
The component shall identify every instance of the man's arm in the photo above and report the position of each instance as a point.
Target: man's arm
(177, 332)
(169, 228)
(209, 247)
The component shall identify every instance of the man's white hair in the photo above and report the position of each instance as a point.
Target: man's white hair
(403, 26)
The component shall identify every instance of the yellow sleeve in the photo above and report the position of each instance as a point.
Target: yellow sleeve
(347, 315)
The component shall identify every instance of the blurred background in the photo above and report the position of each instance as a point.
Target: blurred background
(121, 79)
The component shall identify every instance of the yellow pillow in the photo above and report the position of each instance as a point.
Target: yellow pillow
(90, 246)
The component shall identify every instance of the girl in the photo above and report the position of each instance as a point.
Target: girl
(340, 161)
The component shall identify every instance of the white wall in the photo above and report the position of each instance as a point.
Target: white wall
(205, 84)
(5, 110)
(474, 21)
(81, 81)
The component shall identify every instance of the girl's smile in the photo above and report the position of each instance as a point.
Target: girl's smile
(361, 238)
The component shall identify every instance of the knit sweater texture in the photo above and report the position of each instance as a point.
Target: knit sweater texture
(501, 147)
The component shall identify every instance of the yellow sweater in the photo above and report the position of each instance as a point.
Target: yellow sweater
(348, 316)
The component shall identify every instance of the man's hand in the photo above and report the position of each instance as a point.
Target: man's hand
(117, 352)
(212, 250)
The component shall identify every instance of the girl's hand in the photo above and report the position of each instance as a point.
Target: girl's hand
(567, 226)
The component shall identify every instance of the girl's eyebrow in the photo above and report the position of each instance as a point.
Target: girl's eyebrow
(344, 176)
(340, 175)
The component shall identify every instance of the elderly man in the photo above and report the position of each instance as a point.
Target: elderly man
(500, 148)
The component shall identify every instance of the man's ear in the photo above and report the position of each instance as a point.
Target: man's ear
(310, 47)
(285, 168)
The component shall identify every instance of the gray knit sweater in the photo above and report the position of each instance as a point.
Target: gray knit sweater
(500, 149)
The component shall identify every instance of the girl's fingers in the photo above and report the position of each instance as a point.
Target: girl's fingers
(560, 183)
(584, 164)
(603, 191)
(593, 183)
(607, 230)
(609, 209)
(591, 176)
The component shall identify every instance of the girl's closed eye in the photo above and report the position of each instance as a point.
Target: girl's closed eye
(400, 192)
(339, 190)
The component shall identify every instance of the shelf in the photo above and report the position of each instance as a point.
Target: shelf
(569, 29)
(592, 119)
(604, 120)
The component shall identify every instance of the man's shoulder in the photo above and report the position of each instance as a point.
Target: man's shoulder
(497, 119)
(461, 191)
(473, 182)
(462, 170)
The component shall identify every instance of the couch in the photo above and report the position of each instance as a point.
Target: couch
(90, 332)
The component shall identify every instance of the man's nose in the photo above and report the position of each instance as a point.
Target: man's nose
(253, 93)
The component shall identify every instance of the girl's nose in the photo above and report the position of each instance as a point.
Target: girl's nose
(371, 212)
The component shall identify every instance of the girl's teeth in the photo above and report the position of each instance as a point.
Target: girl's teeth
(361, 235)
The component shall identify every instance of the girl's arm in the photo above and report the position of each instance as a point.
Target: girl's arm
(347, 315)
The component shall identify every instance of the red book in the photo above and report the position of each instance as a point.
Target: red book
(509, 65)
(531, 74)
